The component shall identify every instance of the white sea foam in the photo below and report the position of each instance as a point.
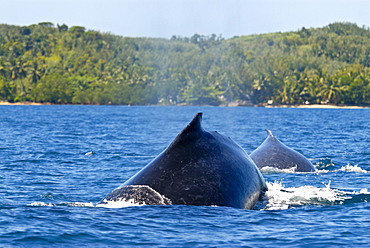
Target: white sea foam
(41, 204)
(77, 204)
(345, 168)
(119, 204)
(364, 191)
(354, 168)
(71, 204)
(269, 169)
(279, 197)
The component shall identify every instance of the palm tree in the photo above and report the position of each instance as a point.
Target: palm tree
(359, 89)
(36, 69)
(289, 92)
(365, 79)
(3, 69)
(18, 70)
(332, 90)
(260, 88)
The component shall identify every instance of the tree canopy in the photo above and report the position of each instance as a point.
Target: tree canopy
(61, 64)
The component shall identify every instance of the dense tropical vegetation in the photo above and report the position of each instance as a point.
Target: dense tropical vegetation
(61, 64)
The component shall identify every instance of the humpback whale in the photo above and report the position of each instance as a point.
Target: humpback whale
(199, 167)
(273, 153)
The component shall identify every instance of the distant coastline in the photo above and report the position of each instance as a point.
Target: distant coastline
(58, 64)
(314, 106)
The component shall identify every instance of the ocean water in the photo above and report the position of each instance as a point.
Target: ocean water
(57, 162)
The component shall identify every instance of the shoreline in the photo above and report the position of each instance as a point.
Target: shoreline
(24, 103)
(312, 106)
(317, 106)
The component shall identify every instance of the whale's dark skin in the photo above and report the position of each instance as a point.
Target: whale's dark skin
(273, 153)
(200, 168)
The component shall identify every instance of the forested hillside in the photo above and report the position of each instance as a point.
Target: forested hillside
(60, 64)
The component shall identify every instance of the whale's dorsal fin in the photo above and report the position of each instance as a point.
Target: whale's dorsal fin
(269, 133)
(270, 136)
(195, 124)
(192, 130)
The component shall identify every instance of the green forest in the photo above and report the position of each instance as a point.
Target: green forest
(50, 63)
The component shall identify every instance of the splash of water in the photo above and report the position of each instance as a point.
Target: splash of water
(268, 169)
(345, 168)
(69, 204)
(120, 204)
(279, 197)
(354, 168)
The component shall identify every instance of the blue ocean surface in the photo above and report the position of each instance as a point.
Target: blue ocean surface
(57, 162)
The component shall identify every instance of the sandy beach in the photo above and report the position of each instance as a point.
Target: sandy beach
(322, 106)
(21, 103)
